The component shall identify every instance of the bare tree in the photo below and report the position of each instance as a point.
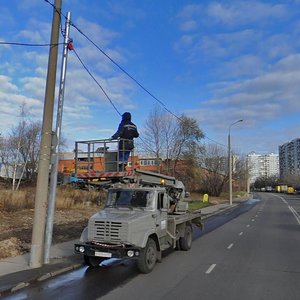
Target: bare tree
(172, 139)
(292, 180)
(264, 181)
(4, 156)
(154, 136)
(241, 172)
(187, 136)
(24, 141)
(215, 171)
(23, 144)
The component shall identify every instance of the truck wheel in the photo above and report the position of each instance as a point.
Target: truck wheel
(148, 257)
(92, 261)
(186, 241)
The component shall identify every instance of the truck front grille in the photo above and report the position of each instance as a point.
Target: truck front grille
(108, 231)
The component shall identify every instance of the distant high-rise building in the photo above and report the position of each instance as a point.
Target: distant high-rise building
(263, 165)
(289, 158)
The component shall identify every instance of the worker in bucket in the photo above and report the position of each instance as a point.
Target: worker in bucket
(126, 132)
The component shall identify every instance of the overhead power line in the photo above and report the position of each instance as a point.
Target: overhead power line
(29, 44)
(97, 82)
(125, 72)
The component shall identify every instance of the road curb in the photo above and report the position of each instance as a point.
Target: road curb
(209, 215)
(43, 277)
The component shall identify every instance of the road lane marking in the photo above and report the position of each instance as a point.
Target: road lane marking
(247, 225)
(209, 270)
(241, 233)
(296, 215)
(293, 211)
(252, 220)
(230, 246)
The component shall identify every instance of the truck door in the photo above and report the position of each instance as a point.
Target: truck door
(161, 215)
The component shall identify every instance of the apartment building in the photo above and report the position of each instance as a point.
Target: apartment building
(289, 158)
(262, 165)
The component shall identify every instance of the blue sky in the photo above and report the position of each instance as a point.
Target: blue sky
(215, 61)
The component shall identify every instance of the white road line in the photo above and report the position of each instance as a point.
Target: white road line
(293, 211)
(230, 246)
(209, 270)
(247, 225)
(241, 233)
(296, 215)
(252, 220)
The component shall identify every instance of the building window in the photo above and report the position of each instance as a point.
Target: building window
(148, 162)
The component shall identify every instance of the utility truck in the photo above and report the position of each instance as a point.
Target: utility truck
(145, 213)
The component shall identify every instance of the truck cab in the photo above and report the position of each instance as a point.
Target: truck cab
(144, 215)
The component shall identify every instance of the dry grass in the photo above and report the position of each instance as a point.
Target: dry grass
(66, 198)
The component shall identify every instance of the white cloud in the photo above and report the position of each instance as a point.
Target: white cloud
(231, 13)
(98, 34)
(34, 86)
(188, 25)
(6, 85)
(243, 66)
(244, 12)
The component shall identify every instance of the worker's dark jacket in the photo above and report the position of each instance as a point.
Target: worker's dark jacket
(127, 131)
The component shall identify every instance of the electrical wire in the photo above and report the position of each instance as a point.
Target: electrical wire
(85, 67)
(135, 80)
(205, 136)
(29, 44)
(125, 72)
(97, 82)
(59, 13)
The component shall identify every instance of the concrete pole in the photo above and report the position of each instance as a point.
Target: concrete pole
(230, 162)
(247, 177)
(55, 148)
(230, 168)
(38, 232)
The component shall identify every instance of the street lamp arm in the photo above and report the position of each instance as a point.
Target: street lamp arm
(238, 121)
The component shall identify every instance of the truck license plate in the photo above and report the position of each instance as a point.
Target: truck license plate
(103, 254)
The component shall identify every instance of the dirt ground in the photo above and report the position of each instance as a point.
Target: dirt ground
(16, 228)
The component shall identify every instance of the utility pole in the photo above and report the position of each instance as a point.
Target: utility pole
(230, 168)
(55, 148)
(230, 162)
(247, 176)
(41, 196)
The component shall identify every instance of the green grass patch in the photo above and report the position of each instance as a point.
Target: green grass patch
(194, 205)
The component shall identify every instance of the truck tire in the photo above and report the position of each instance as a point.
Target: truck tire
(93, 261)
(148, 256)
(185, 242)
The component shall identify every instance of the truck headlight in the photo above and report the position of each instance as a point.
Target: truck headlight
(130, 253)
(81, 249)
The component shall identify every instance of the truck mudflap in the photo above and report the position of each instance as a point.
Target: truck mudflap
(106, 251)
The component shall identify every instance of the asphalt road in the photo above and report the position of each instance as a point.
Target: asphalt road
(252, 252)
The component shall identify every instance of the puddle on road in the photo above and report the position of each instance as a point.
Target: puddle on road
(252, 201)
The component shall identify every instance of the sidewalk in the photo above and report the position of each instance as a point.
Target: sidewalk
(15, 272)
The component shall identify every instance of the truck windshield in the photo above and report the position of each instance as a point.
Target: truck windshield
(130, 198)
